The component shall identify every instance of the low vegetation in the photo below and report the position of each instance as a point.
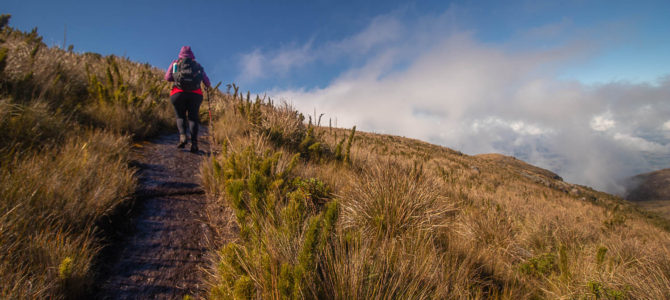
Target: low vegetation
(67, 121)
(324, 212)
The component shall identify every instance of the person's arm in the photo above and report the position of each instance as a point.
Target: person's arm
(168, 74)
(205, 79)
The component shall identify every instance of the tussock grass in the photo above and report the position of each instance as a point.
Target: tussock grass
(390, 198)
(28, 127)
(284, 125)
(51, 202)
(402, 268)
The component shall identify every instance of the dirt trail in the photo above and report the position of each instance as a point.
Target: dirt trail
(162, 254)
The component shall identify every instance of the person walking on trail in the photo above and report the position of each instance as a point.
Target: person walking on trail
(186, 95)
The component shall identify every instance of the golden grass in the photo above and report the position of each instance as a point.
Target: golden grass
(51, 202)
(422, 221)
(389, 199)
(64, 159)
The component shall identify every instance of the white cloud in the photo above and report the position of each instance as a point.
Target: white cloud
(482, 98)
(666, 126)
(381, 31)
(602, 123)
(252, 65)
(527, 129)
(640, 144)
(290, 57)
(518, 127)
(258, 65)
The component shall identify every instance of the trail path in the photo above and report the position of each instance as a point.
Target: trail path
(163, 254)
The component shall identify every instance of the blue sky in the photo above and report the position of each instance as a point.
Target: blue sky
(579, 87)
(221, 32)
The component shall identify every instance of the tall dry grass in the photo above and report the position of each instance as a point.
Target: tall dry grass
(28, 128)
(389, 198)
(51, 202)
(66, 124)
(421, 221)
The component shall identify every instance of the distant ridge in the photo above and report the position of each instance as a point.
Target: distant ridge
(513, 161)
(651, 191)
(652, 186)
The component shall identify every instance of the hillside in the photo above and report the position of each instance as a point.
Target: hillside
(315, 211)
(332, 213)
(652, 186)
(651, 191)
(67, 121)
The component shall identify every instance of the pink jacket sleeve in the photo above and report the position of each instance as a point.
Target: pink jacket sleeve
(205, 79)
(168, 73)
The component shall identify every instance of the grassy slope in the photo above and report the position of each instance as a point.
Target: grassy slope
(66, 125)
(413, 220)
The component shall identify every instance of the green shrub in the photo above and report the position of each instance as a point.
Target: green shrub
(347, 152)
(563, 262)
(600, 291)
(600, 255)
(284, 221)
(244, 288)
(65, 269)
(3, 58)
(338, 151)
(542, 265)
(4, 20)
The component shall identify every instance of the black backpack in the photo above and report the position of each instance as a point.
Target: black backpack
(188, 74)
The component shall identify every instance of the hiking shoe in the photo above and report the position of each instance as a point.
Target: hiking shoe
(182, 141)
(194, 148)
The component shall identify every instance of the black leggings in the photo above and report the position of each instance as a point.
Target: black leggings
(184, 103)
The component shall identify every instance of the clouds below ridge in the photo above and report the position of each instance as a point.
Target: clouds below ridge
(481, 98)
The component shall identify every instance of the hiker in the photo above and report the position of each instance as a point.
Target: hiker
(186, 95)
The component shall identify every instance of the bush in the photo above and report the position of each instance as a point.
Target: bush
(285, 223)
(542, 265)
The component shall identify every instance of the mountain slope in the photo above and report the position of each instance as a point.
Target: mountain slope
(653, 186)
(401, 218)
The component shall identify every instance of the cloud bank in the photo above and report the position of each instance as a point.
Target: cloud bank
(431, 81)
